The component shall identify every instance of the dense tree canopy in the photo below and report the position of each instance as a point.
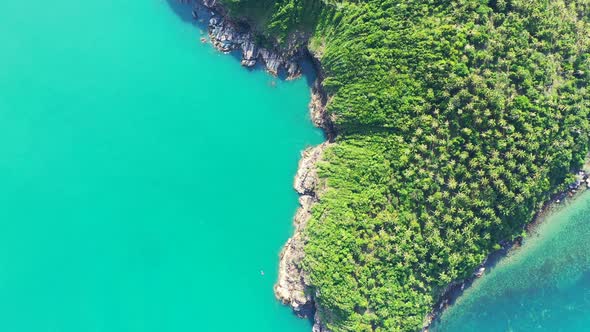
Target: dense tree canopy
(455, 120)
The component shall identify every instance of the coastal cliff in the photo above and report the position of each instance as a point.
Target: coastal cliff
(449, 141)
(228, 35)
(293, 287)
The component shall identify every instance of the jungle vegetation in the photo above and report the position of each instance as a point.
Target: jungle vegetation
(456, 120)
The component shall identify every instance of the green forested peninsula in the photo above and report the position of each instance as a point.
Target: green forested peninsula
(455, 121)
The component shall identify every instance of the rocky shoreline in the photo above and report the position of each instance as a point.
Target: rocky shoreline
(229, 35)
(453, 291)
(293, 287)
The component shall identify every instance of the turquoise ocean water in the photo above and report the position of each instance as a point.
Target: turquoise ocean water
(146, 182)
(542, 286)
(145, 179)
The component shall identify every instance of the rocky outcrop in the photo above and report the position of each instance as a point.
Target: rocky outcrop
(316, 109)
(228, 35)
(306, 181)
(293, 287)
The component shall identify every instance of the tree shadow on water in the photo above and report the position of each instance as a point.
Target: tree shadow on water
(183, 10)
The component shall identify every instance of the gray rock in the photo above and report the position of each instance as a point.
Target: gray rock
(249, 53)
(292, 287)
(210, 3)
(479, 272)
(293, 69)
(272, 61)
(226, 36)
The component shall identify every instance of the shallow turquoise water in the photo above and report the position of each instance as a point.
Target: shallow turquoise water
(543, 286)
(145, 179)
